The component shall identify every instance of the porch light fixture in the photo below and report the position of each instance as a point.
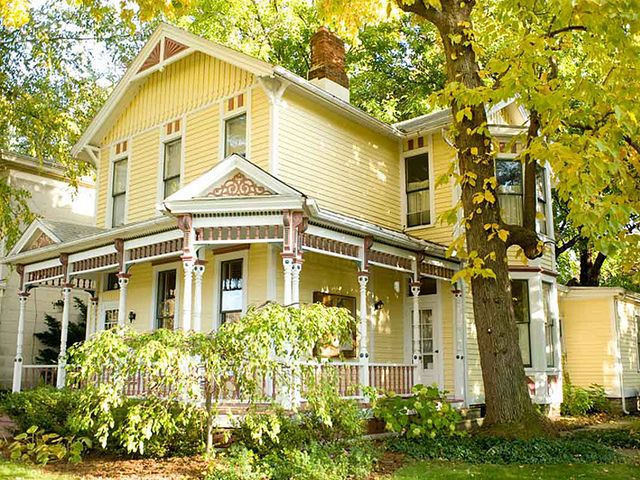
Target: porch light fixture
(132, 316)
(378, 305)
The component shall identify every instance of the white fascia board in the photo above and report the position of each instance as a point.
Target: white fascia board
(240, 204)
(592, 292)
(383, 248)
(94, 252)
(390, 267)
(328, 253)
(237, 221)
(54, 262)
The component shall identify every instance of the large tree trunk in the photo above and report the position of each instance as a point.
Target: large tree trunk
(506, 393)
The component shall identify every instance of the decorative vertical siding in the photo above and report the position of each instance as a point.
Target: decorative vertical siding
(589, 341)
(185, 85)
(260, 131)
(346, 167)
(202, 142)
(143, 176)
(102, 186)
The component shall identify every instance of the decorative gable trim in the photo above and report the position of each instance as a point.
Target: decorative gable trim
(152, 60)
(239, 186)
(172, 47)
(37, 235)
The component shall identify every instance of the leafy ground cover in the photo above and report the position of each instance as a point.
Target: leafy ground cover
(14, 471)
(450, 471)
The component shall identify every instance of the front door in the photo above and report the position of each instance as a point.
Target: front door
(429, 322)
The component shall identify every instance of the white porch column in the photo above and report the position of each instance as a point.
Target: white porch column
(363, 280)
(296, 268)
(416, 350)
(187, 296)
(92, 318)
(287, 264)
(18, 361)
(123, 282)
(66, 312)
(198, 272)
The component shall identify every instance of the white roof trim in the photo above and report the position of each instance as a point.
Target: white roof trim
(29, 234)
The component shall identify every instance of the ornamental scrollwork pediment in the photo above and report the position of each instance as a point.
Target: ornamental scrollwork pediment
(239, 186)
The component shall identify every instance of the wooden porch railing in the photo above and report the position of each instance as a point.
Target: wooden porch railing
(396, 377)
(39, 375)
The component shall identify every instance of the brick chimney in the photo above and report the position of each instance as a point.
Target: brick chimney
(327, 64)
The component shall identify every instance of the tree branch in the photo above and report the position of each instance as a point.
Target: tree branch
(570, 28)
(524, 238)
(632, 143)
(567, 245)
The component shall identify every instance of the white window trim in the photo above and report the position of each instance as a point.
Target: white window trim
(224, 116)
(177, 266)
(164, 139)
(112, 159)
(428, 149)
(218, 259)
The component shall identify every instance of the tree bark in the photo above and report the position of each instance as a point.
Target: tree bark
(505, 387)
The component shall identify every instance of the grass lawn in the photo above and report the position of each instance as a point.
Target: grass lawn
(448, 471)
(25, 472)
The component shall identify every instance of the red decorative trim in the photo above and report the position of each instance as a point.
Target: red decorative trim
(42, 240)
(185, 223)
(230, 104)
(45, 274)
(157, 249)
(240, 100)
(249, 232)
(172, 47)
(123, 275)
(420, 142)
(328, 245)
(152, 59)
(94, 263)
(118, 243)
(410, 144)
(20, 270)
(436, 271)
(390, 260)
(239, 186)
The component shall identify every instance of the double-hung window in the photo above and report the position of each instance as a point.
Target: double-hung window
(418, 190)
(520, 296)
(549, 325)
(231, 290)
(119, 191)
(171, 167)
(510, 190)
(235, 135)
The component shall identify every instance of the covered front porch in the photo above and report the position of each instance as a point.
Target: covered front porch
(226, 245)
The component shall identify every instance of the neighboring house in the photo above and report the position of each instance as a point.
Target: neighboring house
(224, 182)
(601, 341)
(64, 215)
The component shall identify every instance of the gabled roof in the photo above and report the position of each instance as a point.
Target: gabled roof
(166, 45)
(42, 233)
(235, 183)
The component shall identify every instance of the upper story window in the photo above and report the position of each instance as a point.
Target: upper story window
(172, 166)
(510, 177)
(235, 135)
(520, 297)
(119, 191)
(231, 290)
(418, 190)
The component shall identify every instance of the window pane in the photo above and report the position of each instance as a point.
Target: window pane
(418, 208)
(511, 208)
(549, 324)
(235, 135)
(231, 293)
(117, 217)
(171, 186)
(417, 171)
(110, 319)
(509, 176)
(541, 200)
(172, 154)
(520, 298)
(119, 176)
(523, 341)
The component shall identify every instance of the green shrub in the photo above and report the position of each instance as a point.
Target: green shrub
(36, 445)
(578, 401)
(426, 414)
(497, 450)
(45, 407)
(239, 463)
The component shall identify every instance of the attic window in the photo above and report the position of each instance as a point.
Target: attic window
(235, 135)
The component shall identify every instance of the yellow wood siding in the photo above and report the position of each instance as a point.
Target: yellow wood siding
(260, 131)
(185, 85)
(102, 186)
(546, 261)
(143, 176)
(474, 371)
(202, 139)
(389, 322)
(447, 352)
(257, 281)
(346, 167)
(589, 341)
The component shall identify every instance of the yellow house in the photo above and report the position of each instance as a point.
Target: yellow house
(225, 182)
(601, 341)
